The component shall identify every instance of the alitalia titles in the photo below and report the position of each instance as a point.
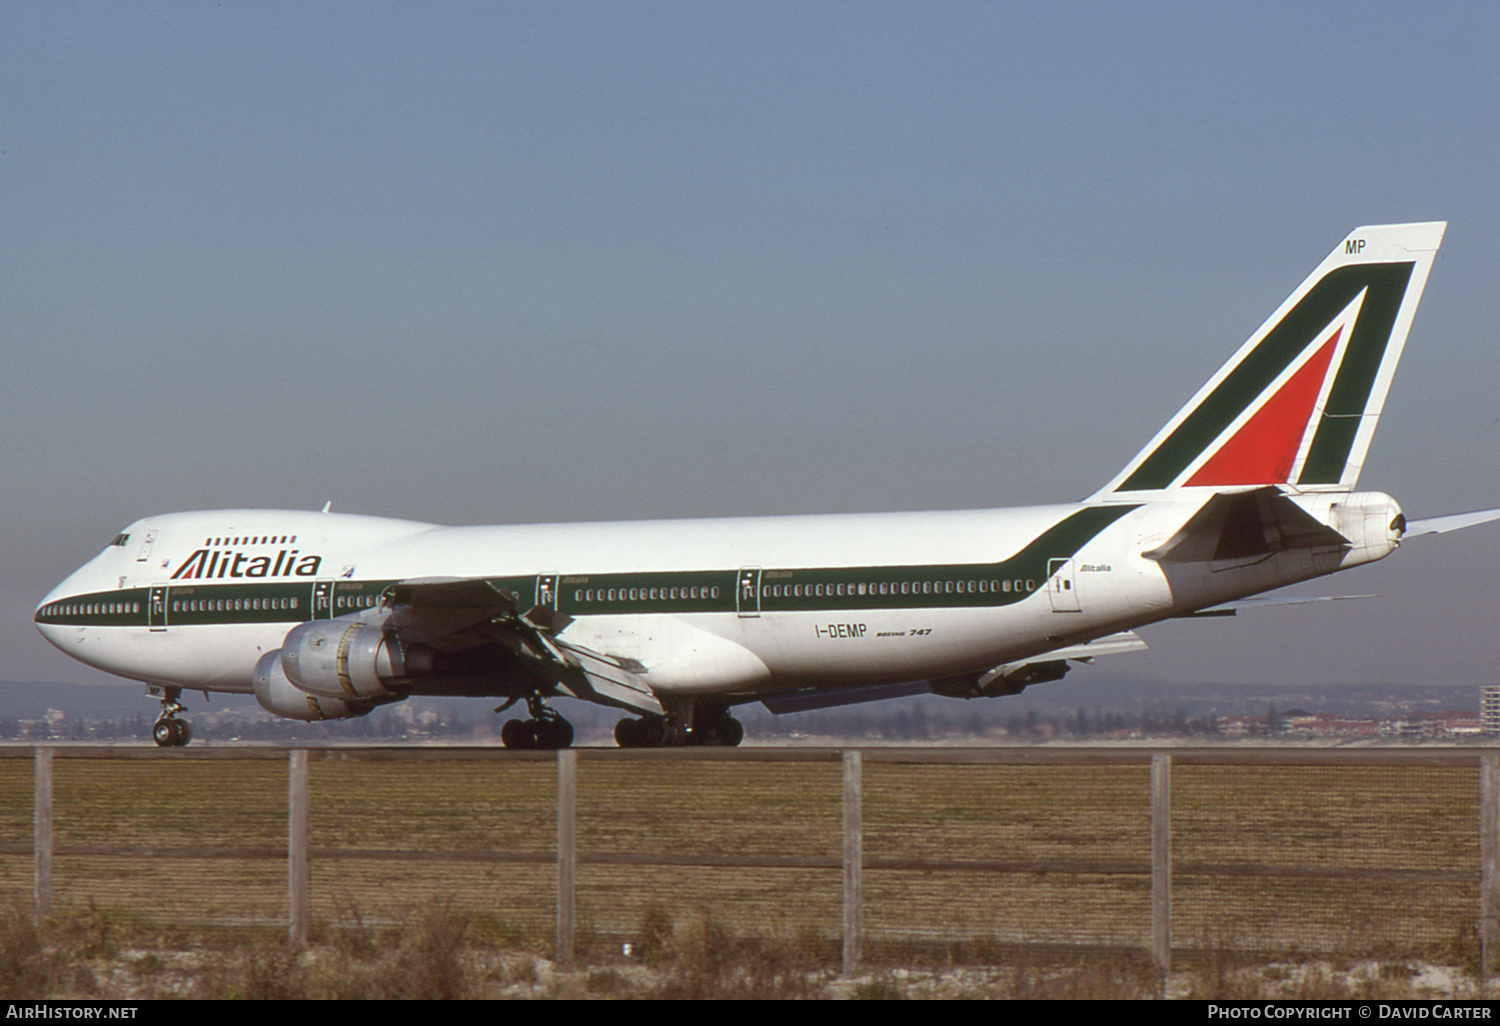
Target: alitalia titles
(212, 563)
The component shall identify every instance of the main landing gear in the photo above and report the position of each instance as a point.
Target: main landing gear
(168, 731)
(722, 731)
(545, 730)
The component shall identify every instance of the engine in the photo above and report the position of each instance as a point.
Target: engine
(278, 695)
(346, 659)
(332, 669)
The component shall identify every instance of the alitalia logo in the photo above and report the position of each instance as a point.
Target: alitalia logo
(213, 563)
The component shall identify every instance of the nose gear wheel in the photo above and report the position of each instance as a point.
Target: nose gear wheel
(168, 731)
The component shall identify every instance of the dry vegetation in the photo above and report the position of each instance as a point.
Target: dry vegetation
(436, 953)
(401, 919)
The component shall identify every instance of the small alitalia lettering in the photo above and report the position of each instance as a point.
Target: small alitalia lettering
(211, 563)
(1102, 568)
(840, 630)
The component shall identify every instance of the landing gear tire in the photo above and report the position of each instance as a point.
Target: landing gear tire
(723, 731)
(730, 732)
(553, 733)
(625, 733)
(518, 734)
(646, 732)
(171, 732)
(548, 733)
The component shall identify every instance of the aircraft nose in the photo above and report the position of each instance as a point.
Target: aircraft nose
(53, 613)
(49, 627)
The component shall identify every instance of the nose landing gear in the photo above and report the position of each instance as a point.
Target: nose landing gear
(168, 731)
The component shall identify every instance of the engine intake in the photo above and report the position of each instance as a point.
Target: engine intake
(347, 659)
(278, 695)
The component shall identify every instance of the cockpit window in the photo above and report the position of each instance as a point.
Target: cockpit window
(120, 539)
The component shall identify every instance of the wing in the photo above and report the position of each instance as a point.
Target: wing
(454, 615)
(1009, 679)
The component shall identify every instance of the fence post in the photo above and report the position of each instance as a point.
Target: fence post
(1489, 858)
(1161, 860)
(41, 831)
(567, 853)
(296, 846)
(854, 860)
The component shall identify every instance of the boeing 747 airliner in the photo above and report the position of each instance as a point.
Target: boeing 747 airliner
(1250, 487)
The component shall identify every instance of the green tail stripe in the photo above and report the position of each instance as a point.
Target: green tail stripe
(1282, 344)
(1350, 395)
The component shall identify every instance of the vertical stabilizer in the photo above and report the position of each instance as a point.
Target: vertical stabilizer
(1298, 403)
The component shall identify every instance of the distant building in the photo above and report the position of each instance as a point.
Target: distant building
(1489, 709)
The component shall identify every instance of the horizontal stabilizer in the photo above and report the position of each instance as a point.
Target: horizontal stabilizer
(1245, 525)
(1230, 608)
(1112, 644)
(1452, 522)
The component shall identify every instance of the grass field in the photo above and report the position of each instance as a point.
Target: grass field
(961, 860)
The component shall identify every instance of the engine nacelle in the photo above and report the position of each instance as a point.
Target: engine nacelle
(346, 659)
(278, 695)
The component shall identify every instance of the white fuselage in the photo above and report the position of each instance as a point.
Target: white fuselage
(729, 607)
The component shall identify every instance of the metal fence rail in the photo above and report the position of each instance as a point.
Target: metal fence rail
(1338, 850)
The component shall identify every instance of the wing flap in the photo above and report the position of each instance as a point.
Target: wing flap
(609, 680)
(455, 613)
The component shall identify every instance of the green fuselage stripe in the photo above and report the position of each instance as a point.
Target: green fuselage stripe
(915, 586)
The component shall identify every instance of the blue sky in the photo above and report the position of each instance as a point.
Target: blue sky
(511, 262)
